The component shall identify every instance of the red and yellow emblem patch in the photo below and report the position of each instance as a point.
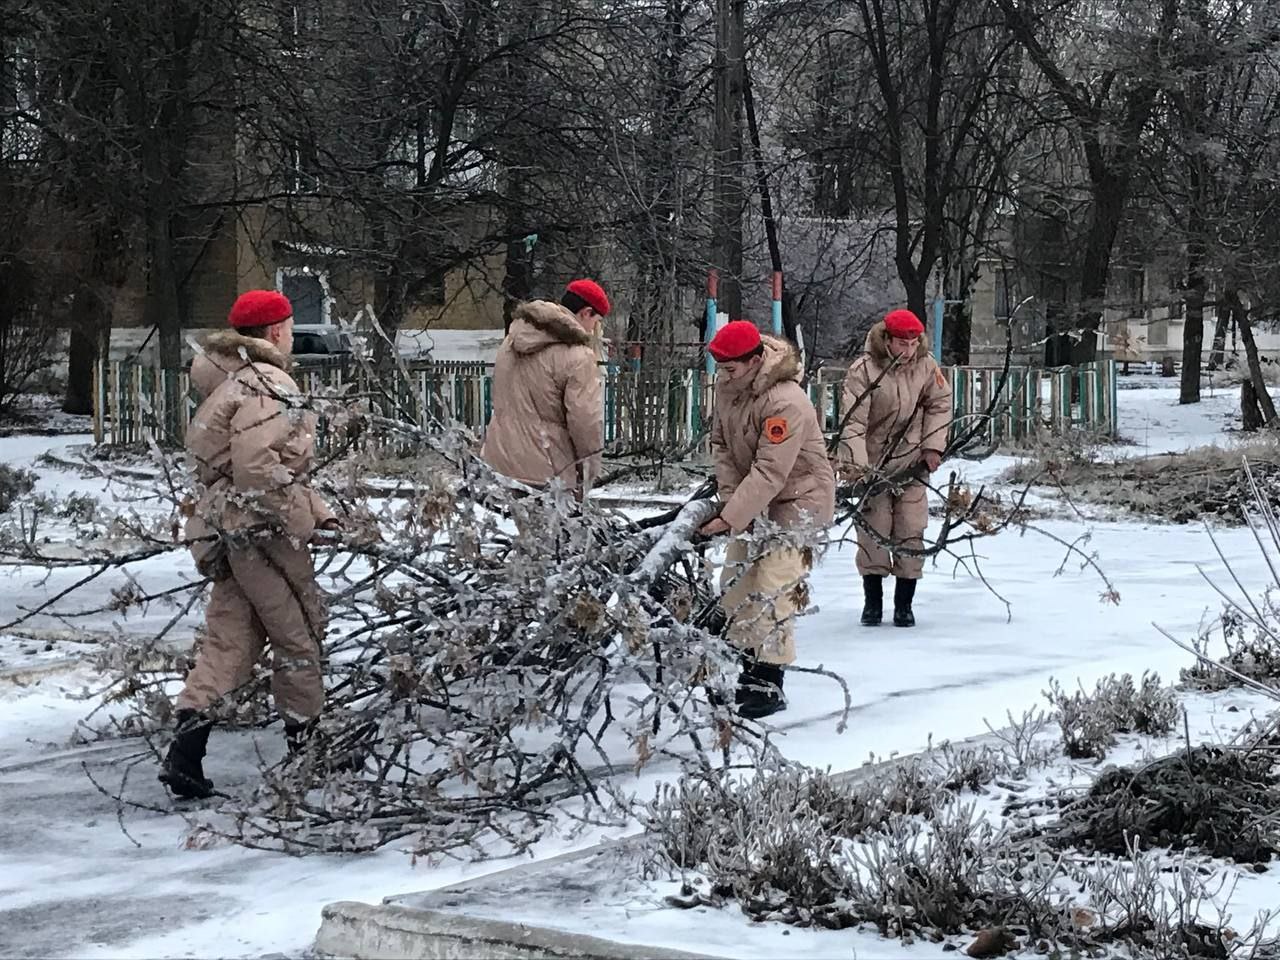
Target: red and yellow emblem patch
(776, 429)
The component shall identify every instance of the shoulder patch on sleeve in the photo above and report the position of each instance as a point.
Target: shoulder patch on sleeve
(776, 429)
(940, 377)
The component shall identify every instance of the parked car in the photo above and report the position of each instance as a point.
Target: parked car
(321, 343)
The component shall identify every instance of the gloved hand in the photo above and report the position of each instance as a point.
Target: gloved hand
(327, 532)
(714, 527)
(853, 472)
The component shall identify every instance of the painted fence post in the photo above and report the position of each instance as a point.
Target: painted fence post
(98, 412)
(1113, 394)
(776, 305)
(939, 311)
(713, 288)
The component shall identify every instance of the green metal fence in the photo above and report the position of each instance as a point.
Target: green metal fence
(661, 407)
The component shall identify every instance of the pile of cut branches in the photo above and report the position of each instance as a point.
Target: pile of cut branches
(1207, 484)
(495, 655)
(1220, 802)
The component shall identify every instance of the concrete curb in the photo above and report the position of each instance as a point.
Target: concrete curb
(350, 929)
(390, 931)
(32, 673)
(25, 676)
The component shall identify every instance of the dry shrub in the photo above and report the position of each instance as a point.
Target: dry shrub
(1252, 651)
(896, 850)
(14, 483)
(1208, 483)
(1090, 721)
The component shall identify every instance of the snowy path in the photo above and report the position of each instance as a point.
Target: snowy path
(71, 883)
(75, 885)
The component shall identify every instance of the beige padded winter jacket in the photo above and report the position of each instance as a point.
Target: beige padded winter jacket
(769, 451)
(548, 400)
(898, 410)
(252, 453)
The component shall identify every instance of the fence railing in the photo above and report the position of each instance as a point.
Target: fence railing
(652, 408)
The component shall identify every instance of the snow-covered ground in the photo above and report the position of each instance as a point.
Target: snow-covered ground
(605, 896)
(1152, 420)
(73, 883)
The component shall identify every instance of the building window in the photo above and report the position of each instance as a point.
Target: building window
(308, 292)
(1006, 294)
(299, 23)
(19, 106)
(434, 292)
(303, 168)
(1134, 293)
(1158, 333)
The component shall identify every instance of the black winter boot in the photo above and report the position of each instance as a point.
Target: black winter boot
(904, 592)
(873, 602)
(297, 736)
(760, 692)
(183, 768)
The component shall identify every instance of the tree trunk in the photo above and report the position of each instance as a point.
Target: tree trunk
(766, 203)
(517, 281)
(163, 308)
(729, 194)
(1193, 328)
(1193, 122)
(1265, 405)
(957, 334)
(1217, 354)
(917, 295)
(90, 335)
(389, 302)
(1109, 193)
(1250, 415)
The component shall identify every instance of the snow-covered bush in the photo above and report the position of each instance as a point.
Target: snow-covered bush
(956, 872)
(14, 483)
(1251, 650)
(896, 849)
(1164, 907)
(1090, 721)
(1023, 743)
(1242, 645)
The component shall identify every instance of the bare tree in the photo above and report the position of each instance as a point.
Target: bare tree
(905, 121)
(1104, 73)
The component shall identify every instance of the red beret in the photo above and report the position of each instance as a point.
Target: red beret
(734, 341)
(903, 324)
(592, 294)
(260, 308)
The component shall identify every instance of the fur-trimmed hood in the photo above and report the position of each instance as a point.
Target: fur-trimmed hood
(895, 410)
(548, 404)
(877, 346)
(781, 363)
(222, 358)
(538, 324)
(770, 454)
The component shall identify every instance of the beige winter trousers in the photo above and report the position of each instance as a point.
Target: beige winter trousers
(761, 599)
(271, 595)
(900, 520)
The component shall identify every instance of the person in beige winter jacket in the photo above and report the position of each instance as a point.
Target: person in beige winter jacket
(771, 461)
(249, 531)
(898, 407)
(548, 399)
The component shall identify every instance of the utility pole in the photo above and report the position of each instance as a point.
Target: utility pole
(730, 197)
